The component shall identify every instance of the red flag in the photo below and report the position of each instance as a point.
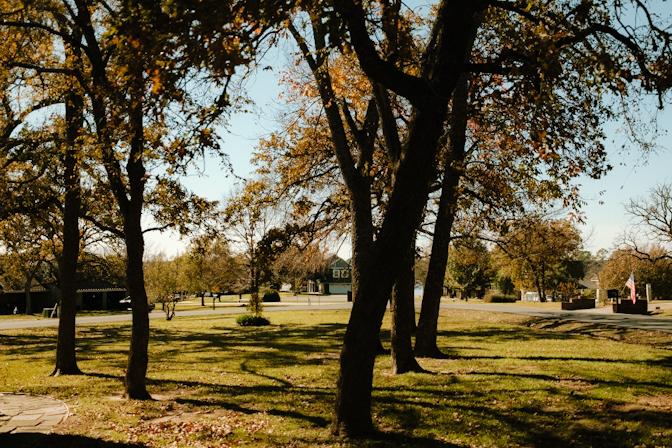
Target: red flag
(631, 284)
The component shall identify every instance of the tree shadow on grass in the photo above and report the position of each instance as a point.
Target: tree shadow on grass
(591, 381)
(665, 361)
(599, 324)
(503, 334)
(26, 345)
(576, 421)
(534, 425)
(385, 439)
(32, 440)
(313, 420)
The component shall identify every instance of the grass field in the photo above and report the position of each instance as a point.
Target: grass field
(509, 382)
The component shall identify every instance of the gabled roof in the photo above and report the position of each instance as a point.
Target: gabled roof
(338, 262)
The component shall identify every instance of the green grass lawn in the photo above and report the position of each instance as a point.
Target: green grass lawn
(505, 384)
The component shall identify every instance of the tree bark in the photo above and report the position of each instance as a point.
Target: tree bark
(66, 360)
(425, 337)
(452, 37)
(129, 196)
(375, 265)
(138, 359)
(403, 316)
(353, 399)
(355, 382)
(135, 246)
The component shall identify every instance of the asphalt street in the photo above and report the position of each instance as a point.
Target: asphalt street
(602, 316)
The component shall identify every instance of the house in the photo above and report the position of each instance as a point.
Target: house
(339, 277)
(90, 296)
(336, 279)
(529, 296)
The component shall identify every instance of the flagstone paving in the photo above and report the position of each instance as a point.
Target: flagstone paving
(21, 413)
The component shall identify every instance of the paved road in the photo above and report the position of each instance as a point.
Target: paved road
(602, 316)
(158, 314)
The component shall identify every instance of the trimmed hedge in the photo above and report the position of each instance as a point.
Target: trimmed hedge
(271, 295)
(500, 298)
(250, 320)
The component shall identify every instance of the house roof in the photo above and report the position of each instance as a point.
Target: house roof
(338, 262)
(588, 283)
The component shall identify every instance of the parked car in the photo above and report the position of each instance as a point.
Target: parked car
(125, 304)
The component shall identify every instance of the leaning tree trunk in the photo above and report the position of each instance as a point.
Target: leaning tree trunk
(360, 347)
(353, 399)
(425, 336)
(66, 361)
(403, 316)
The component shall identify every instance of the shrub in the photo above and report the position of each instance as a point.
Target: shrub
(271, 295)
(250, 320)
(589, 294)
(500, 298)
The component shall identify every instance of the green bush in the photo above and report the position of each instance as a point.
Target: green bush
(589, 294)
(500, 298)
(271, 295)
(250, 320)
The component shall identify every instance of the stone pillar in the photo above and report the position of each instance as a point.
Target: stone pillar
(648, 292)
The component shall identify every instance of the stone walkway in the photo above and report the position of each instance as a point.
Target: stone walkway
(21, 413)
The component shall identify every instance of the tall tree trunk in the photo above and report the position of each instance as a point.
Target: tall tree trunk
(425, 337)
(360, 347)
(66, 361)
(129, 196)
(136, 371)
(377, 265)
(135, 247)
(353, 399)
(403, 316)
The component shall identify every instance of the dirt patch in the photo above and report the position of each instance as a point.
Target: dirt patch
(576, 385)
(652, 402)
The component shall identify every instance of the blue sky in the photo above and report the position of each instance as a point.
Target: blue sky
(633, 175)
